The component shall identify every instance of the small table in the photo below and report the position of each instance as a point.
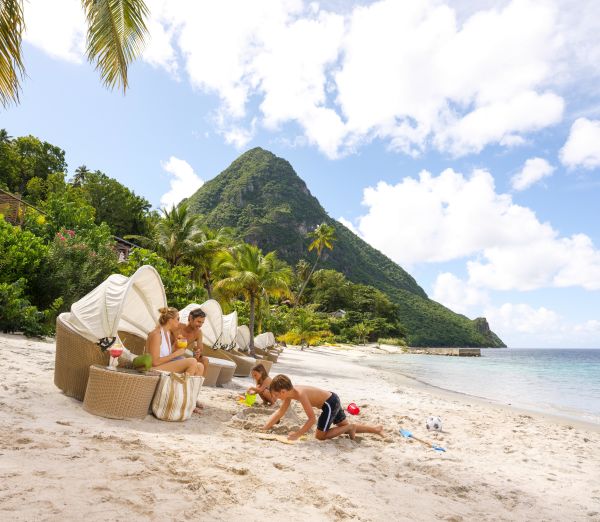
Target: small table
(120, 393)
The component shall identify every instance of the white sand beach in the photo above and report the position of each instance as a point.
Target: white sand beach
(57, 462)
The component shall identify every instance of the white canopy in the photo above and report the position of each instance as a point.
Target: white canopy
(185, 312)
(212, 329)
(242, 337)
(230, 322)
(264, 340)
(120, 303)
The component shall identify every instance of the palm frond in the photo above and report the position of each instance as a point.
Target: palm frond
(116, 36)
(12, 69)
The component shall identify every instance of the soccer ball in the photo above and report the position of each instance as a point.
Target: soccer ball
(434, 423)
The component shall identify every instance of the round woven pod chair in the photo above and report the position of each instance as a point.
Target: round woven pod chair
(266, 354)
(217, 354)
(226, 370)
(244, 364)
(73, 358)
(134, 343)
(123, 394)
(266, 363)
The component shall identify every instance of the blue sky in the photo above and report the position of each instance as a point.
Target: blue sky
(463, 142)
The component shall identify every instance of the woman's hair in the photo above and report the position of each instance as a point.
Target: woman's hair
(259, 368)
(166, 314)
(280, 382)
(194, 314)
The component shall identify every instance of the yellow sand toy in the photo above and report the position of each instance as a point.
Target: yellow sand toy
(249, 400)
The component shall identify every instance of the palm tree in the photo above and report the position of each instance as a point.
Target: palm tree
(80, 173)
(4, 137)
(115, 38)
(323, 237)
(174, 236)
(208, 255)
(253, 274)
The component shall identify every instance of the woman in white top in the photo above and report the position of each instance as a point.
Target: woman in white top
(160, 346)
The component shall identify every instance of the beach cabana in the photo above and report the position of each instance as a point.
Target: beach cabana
(212, 338)
(242, 338)
(264, 344)
(264, 341)
(124, 306)
(212, 329)
(230, 324)
(218, 372)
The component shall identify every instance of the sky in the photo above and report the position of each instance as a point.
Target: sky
(462, 139)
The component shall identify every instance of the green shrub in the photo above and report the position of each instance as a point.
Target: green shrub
(17, 314)
(21, 254)
(179, 287)
(76, 264)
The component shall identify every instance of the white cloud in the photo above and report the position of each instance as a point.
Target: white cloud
(159, 50)
(500, 121)
(583, 145)
(411, 74)
(533, 171)
(416, 75)
(238, 136)
(517, 324)
(521, 325)
(457, 294)
(451, 216)
(183, 184)
(523, 318)
(57, 27)
(349, 225)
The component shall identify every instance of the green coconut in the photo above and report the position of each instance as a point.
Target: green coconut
(142, 362)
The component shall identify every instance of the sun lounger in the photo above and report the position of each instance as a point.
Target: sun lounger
(220, 371)
(267, 354)
(243, 364)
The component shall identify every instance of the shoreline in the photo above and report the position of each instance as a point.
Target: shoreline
(569, 417)
(446, 392)
(59, 462)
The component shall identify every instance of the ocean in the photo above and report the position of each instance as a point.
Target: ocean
(564, 382)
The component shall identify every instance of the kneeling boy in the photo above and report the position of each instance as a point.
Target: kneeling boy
(309, 396)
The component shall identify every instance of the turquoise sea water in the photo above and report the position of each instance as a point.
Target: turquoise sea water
(563, 382)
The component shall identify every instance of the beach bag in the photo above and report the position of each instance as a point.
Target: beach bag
(176, 395)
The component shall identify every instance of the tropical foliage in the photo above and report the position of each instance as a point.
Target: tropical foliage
(179, 286)
(115, 37)
(64, 247)
(261, 197)
(255, 276)
(322, 237)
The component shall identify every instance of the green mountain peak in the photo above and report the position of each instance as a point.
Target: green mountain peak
(261, 196)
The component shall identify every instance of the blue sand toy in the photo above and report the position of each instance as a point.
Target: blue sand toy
(409, 435)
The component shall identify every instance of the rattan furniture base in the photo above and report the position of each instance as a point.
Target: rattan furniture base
(119, 394)
(73, 357)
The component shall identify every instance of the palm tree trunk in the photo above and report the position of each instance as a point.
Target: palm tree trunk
(251, 325)
(297, 302)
